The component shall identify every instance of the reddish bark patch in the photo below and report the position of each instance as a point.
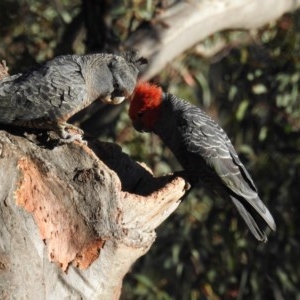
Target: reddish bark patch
(88, 255)
(49, 200)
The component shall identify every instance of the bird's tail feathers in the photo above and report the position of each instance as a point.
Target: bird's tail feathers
(247, 215)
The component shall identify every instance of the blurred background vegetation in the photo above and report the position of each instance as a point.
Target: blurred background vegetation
(250, 85)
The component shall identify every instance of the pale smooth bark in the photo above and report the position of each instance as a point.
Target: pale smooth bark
(187, 23)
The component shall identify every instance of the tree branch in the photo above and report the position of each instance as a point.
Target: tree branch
(189, 22)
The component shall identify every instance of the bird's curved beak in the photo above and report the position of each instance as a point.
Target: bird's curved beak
(113, 100)
(117, 100)
(138, 126)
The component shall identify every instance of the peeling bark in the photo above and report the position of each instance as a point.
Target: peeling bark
(75, 217)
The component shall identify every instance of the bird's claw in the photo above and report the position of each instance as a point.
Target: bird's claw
(69, 137)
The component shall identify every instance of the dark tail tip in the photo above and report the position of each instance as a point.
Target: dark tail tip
(250, 221)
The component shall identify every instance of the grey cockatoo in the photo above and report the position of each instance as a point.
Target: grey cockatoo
(46, 96)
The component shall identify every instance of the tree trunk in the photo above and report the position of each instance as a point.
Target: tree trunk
(75, 217)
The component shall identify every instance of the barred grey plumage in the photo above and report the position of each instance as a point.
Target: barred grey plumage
(203, 149)
(46, 96)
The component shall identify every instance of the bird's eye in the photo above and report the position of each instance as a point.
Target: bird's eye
(140, 114)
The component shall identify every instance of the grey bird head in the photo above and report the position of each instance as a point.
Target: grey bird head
(109, 77)
(124, 70)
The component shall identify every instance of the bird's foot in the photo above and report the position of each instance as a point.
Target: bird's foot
(69, 138)
(70, 133)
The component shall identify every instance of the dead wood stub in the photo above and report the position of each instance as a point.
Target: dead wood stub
(78, 202)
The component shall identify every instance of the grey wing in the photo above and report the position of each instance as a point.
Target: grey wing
(208, 139)
(51, 91)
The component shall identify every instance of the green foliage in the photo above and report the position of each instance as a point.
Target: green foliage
(31, 30)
